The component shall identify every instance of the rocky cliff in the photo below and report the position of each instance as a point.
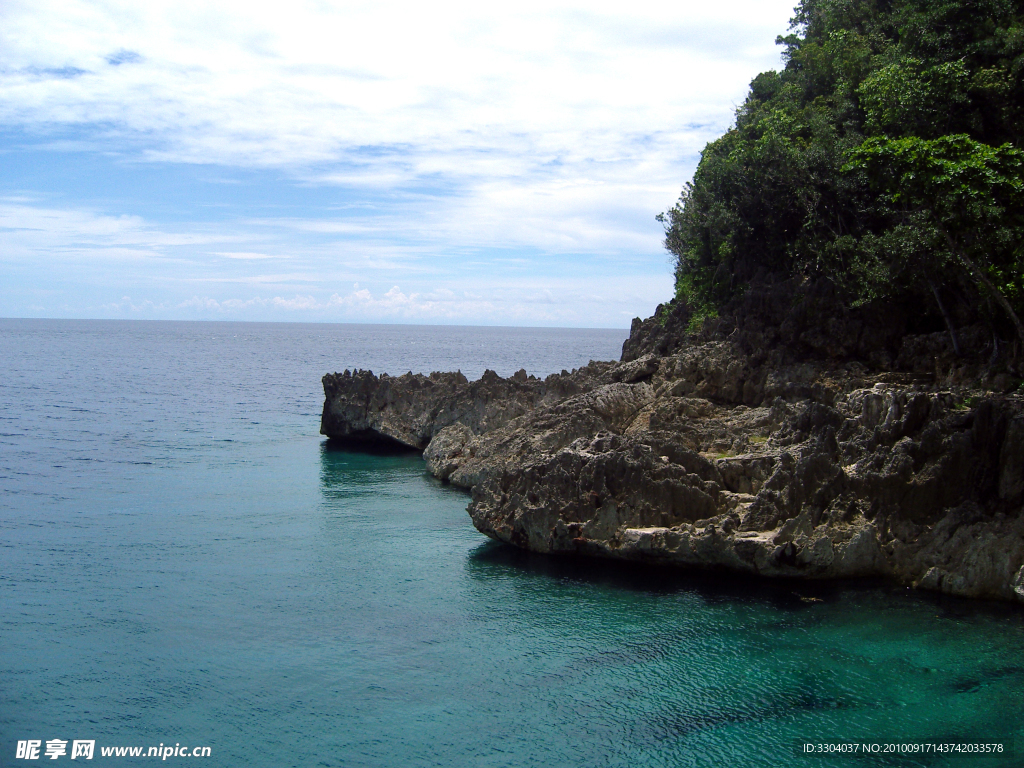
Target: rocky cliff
(802, 450)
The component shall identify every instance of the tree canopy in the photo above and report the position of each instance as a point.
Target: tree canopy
(881, 158)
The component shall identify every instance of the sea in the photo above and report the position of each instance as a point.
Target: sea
(187, 566)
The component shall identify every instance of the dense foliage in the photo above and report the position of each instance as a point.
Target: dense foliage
(882, 158)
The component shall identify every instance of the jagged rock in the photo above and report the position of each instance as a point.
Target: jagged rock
(446, 449)
(409, 410)
(1011, 461)
(710, 451)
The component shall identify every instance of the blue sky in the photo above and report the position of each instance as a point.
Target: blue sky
(358, 161)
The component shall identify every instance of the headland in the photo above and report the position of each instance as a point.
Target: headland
(790, 437)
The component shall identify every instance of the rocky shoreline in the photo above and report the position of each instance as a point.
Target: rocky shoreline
(719, 450)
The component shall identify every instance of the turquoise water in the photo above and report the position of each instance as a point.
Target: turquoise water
(184, 560)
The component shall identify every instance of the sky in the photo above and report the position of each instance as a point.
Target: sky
(443, 163)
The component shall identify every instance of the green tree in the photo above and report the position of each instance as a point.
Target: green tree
(963, 202)
(778, 196)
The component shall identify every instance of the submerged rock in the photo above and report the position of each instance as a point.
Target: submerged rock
(714, 454)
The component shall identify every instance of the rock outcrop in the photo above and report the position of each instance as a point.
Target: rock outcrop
(716, 451)
(410, 410)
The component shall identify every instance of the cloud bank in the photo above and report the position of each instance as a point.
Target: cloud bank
(426, 136)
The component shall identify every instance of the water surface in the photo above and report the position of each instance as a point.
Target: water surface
(185, 560)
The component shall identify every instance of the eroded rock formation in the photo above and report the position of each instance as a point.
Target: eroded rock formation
(713, 450)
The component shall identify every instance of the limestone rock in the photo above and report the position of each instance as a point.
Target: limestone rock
(446, 449)
(727, 449)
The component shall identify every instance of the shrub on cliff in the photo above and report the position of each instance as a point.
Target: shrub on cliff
(881, 158)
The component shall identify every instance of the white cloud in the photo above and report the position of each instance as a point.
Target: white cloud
(551, 302)
(243, 255)
(554, 131)
(32, 230)
(76, 252)
(472, 89)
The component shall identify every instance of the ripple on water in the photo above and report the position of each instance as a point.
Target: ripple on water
(185, 560)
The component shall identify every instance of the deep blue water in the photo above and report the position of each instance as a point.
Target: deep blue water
(186, 561)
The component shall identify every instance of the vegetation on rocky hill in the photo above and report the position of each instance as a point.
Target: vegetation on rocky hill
(882, 160)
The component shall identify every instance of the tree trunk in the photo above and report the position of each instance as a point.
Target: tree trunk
(978, 274)
(946, 317)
